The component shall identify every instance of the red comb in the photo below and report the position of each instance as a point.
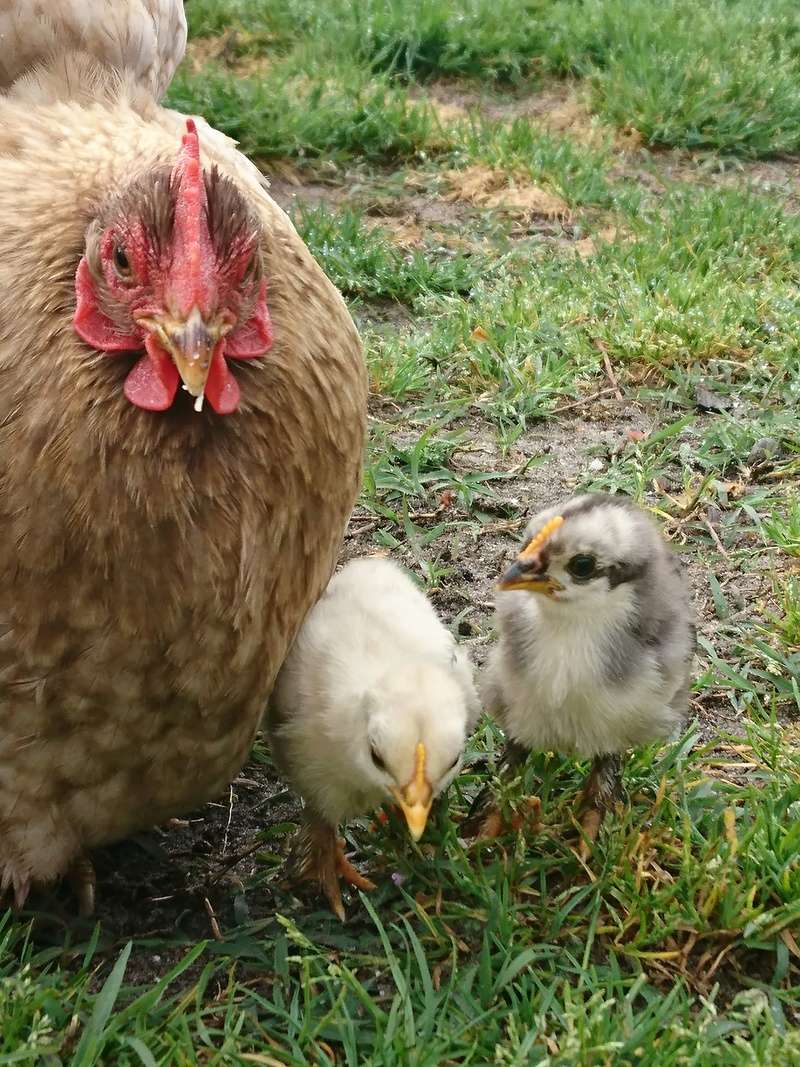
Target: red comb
(194, 259)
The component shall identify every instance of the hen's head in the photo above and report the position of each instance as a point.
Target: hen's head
(172, 266)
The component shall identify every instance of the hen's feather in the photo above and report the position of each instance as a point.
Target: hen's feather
(145, 38)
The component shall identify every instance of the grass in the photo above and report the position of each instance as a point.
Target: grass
(362, 263)
(640, 336)
(342, 113)
(720, 75)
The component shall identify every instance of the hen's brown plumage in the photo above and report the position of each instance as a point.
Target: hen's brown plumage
(145, 37)
(154, 567)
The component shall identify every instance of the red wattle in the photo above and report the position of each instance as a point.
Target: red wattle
(222, 389)
(153, 382)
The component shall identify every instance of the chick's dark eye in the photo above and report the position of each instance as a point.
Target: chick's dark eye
(377, 758)
(122, 264)
(582, 567)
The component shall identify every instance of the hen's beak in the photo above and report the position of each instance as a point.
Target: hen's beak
(524, 574)
(191, 343)
(415, 799)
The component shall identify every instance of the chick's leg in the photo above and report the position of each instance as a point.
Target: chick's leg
(603, 786)
(318, 856)
(485, 819)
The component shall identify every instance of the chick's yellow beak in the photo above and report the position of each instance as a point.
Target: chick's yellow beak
(527, 571)
(520, 575)
(415, 799)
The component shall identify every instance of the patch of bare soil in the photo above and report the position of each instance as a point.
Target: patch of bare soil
(226, 49)
(557, 106)
(412, 215)
(656, 170)
(499, 190)
(289, 188)
(561, 107)
(403, 230)
(172, 886)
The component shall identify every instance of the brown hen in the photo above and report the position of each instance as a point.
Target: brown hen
(159, 546)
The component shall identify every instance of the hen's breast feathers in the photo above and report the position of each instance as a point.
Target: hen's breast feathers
(145, 38)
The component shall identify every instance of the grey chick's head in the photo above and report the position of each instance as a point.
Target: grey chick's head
(416, 722)
(587, 550)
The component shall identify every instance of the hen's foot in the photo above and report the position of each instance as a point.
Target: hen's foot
(83, 879)
(603, 786)
(318, 856)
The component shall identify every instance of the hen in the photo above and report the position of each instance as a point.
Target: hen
(158, 550)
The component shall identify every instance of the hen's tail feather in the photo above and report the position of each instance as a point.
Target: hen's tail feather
(145, 38)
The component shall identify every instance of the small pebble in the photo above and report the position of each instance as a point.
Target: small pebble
(764, 449)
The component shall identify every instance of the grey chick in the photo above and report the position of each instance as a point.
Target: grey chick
(374, 701)
(596, 645)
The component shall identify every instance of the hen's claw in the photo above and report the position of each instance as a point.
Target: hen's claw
(13, 878)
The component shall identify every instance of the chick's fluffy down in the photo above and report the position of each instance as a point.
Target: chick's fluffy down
(372, 651)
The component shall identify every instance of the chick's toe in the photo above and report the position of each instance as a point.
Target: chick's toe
(351, 875)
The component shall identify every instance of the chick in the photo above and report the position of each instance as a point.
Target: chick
(374, 701)
(596, 645)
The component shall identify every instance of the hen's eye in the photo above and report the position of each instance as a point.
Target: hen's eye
(582, 567)
(122, 263)
(377, 759)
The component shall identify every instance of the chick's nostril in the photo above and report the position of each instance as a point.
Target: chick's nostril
(530, 567)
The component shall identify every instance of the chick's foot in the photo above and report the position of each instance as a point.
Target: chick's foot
(603, 786)
(347, 871)
(485, 820)
(318, 856)
(528, 818)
